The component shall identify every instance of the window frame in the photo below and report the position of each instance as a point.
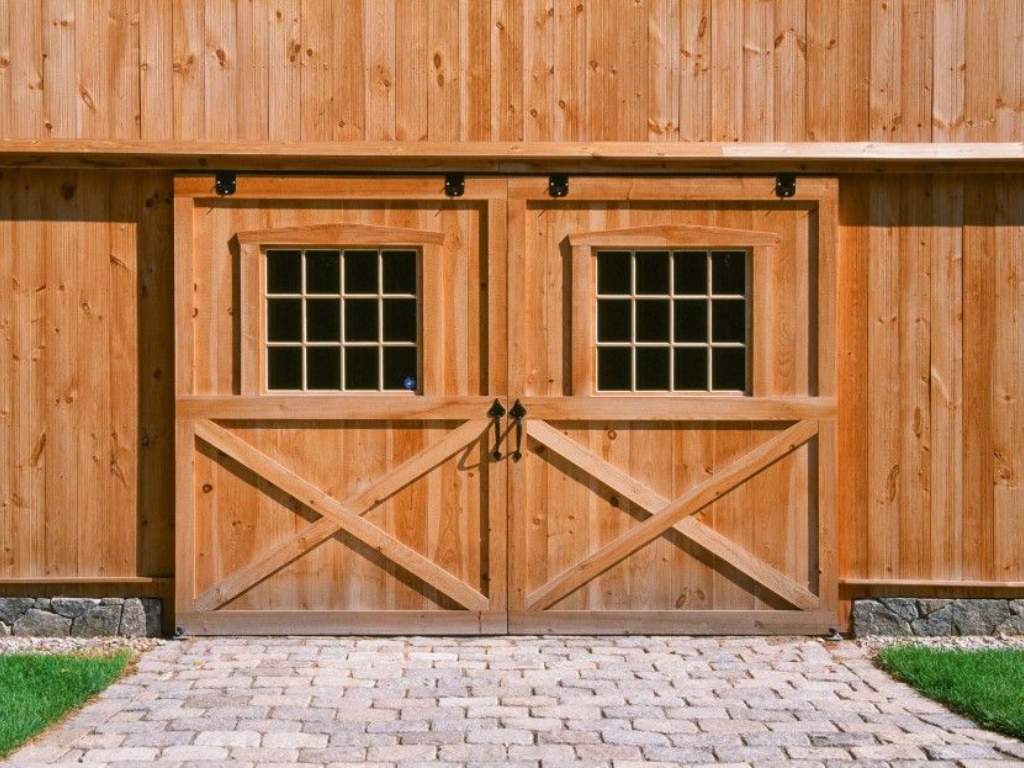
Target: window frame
(584, 246)
(253, 247)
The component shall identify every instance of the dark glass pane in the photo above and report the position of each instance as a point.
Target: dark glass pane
(691, 368)
(323, 272)
(323, 320)
(614, 320)
(691, 320)
(652, 319)
(728, 320)
(399, 319)
(284, 272)
(399, 271)
(652, 274)
(360, 271)
(652, 368)
(613, 272)
(729, 368)
(614, 368)
(284, 367)
(284, 319)
(323, 368)
(691, 271)
(361, 367)
(400, 368)
(361, 320)
(729, 272)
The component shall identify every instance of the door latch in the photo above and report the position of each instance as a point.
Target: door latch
(495, 412)
(517, 413)
(454, 185)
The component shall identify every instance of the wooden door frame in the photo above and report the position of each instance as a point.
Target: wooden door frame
(812, 418)
(196, 416)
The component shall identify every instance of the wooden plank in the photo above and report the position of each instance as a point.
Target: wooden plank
(284, 71)
(727, 31)
(156, 65)
(378, 34)
(945, 245)
(412, 70)
(671, 622)
(979, 345)
(189, 113)
(634, 157)
(695, 111)
(674, 235)
(317, 74)
(883, 307)
(689, 503)
(538, 69)
(252, 29)
(337, 516)
(348, 54)
(570, 71)
(949, 70)
(343, 623)
(679, 408)
(60, 68)
(340, 235)
(333, 407)
(664, 26)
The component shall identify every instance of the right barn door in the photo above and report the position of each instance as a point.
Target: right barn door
(673, 457)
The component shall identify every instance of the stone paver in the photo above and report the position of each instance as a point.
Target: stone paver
(527, 701)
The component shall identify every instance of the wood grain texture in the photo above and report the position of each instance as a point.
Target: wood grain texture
(513, 70)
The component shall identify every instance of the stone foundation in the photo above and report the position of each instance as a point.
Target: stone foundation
(909, 617)
(80, 616)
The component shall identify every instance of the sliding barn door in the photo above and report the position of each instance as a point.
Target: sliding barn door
(340, 342)
(671, 352)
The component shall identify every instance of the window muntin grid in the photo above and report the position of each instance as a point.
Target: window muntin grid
(342, 319)
(682, 320)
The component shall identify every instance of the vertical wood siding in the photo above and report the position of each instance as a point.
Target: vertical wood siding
(931, 395)
(86, 375)
(501, 70)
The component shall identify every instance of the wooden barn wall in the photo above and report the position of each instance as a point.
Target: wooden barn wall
(86, 375)
(490, 70)
(931, 339)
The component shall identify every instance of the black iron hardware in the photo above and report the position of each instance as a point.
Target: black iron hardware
(225, 183)
(495, 412)
(454, 185)
(558, 184)
(517, 412)
(785, 185)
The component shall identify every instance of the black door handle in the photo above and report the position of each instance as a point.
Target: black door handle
(517, 413)
(495, 412)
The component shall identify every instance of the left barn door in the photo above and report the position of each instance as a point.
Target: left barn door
(339, 345)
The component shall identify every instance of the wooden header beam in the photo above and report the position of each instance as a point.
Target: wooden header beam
(518, 157)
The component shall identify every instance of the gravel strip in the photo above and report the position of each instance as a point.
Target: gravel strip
(78, 645)
(966, 643)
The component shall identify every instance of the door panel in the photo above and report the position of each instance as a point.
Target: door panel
(339, 511)
(671, 511)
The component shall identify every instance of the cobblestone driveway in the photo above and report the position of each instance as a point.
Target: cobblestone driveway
(515, 701)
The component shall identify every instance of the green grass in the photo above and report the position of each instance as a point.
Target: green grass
(38, 689)
(984, 685)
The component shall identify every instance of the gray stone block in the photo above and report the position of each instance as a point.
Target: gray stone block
(872, 617)
(12, 608)
(38, 623)
(72, 607)
(154, 615)
(979, 617)
(133, 619)
(1012, 626)
(934, 623)
(4, 630)
(99, 621)
(904, 607)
